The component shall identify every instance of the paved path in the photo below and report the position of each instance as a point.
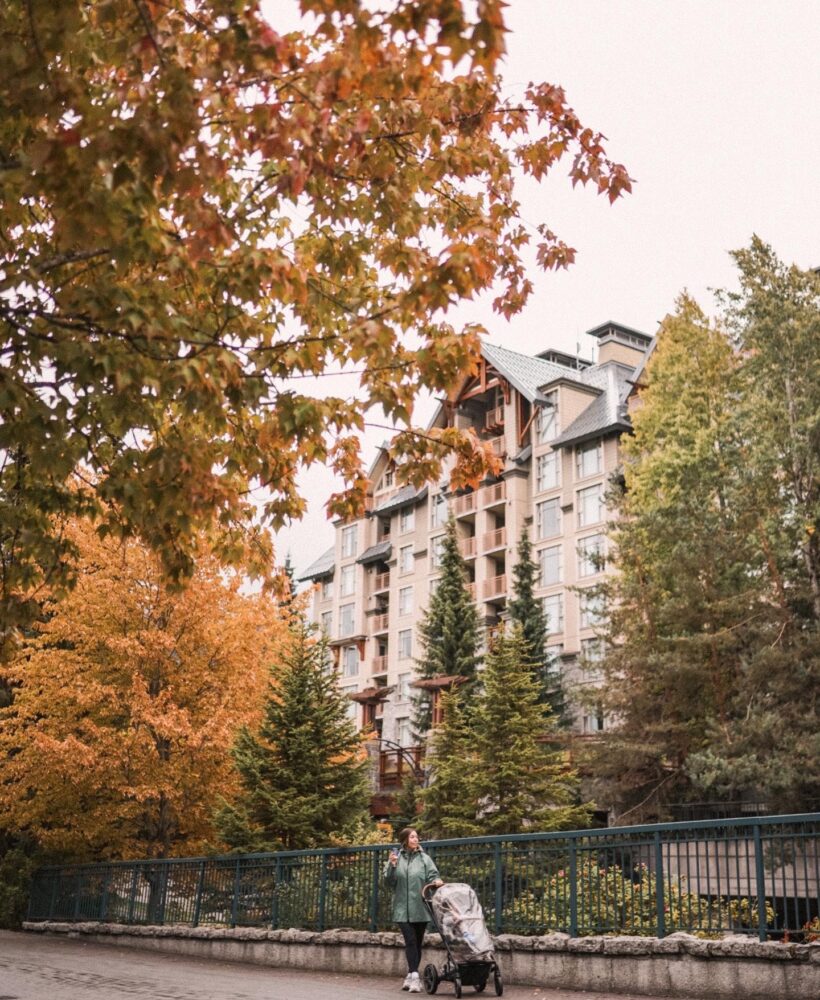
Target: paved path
(43, 968)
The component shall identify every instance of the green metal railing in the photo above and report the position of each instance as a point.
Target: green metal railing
(754, 876)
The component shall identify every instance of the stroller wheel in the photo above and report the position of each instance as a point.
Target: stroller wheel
(499, 985)
(430, 978)
(457, 986)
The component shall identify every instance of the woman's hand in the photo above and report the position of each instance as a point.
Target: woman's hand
(394, 858)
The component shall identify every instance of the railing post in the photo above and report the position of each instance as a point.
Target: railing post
(499, 887)
(659, 886)
(760, 879)
(274, 903)
(132, 896)
(237, 877)
(200, 888)
(322, 893)
(573, 888)
(374, 894)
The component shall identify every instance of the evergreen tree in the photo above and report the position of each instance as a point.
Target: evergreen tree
(449, 631)
(520, 780)
(303, 775)
(527, 611)
(408, 803)
(450, 798)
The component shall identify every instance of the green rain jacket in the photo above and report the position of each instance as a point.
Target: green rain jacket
(412, 871)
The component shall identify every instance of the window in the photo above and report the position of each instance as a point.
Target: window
(594, 720)
(588, 459)
(592, 650)
(547, 420)
(591, 607)
(346, 620)
(438, 510)
(547, 471)
(404, 692)
(433, 585)
(554, 610)
(590, 555)
(406, 559)
(349, 541)
(352, 707)
(552, 568)
(327, 589)
(326, 623)
(590, 505)
(404, 732)
(405, 644)
(407, 520)
(347, 581)
(387, 480)
(548, 518)
(405, 600)
(436, 551)
(350, 661)
(554, 652)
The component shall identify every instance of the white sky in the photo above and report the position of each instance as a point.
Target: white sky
(714, 108)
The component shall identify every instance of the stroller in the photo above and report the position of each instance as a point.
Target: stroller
(457, 915)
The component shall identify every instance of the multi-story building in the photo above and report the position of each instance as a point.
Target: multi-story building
(555, 421)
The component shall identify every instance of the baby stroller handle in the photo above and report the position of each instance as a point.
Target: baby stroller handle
(430, 885)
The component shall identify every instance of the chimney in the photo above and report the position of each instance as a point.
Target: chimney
(620, 343)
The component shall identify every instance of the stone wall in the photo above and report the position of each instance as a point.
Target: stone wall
(679, 966)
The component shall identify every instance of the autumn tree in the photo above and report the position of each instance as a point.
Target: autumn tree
(448, 632)
(302, 770)
(127, 698)
(197, 209)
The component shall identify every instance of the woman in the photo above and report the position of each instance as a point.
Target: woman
(406, 872)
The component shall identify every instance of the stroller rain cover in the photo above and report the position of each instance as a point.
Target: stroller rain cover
(460, 919)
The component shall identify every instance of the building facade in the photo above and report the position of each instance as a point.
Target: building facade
(555, 422)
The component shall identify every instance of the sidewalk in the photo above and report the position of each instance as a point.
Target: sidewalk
(38, 968)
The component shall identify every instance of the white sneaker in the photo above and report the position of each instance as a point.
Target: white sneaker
(407, 980)
(415, 983)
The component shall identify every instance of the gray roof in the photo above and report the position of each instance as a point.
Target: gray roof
(376, 553)
(405, 496)
(605, 414)
(525, 373)
(322, 567)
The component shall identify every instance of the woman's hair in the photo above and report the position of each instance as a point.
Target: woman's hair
(404, 835)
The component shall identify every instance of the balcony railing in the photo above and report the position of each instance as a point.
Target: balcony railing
(378, 664)
(381, 581)
(494, 540)
(494, 417)
(381, 622)
(498, 445)
(467, 547)
(491, 495)
(395, 766)
(470, 589)
(464, 505)
(496, 586)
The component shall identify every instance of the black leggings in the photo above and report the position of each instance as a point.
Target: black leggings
(413, 935)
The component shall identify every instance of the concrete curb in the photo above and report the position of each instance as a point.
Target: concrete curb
(678, 966)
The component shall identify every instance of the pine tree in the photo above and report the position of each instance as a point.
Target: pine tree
(521, 782)
(448, 632)
(408, 802)
(528, 612)
(450, 798)
(303, 774)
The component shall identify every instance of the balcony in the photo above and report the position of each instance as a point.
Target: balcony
(494, 588)
(494, 540)
(492, 496)
(470, 588)
(395, 766)
(380, 623)
(494, 418)
(498, 445)
(464, 505)
(378, 665)
(381, 581)
(467, 547)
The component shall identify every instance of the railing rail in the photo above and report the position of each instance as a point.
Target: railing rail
(758, 876)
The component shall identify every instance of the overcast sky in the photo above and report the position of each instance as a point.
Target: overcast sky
(713, 106)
